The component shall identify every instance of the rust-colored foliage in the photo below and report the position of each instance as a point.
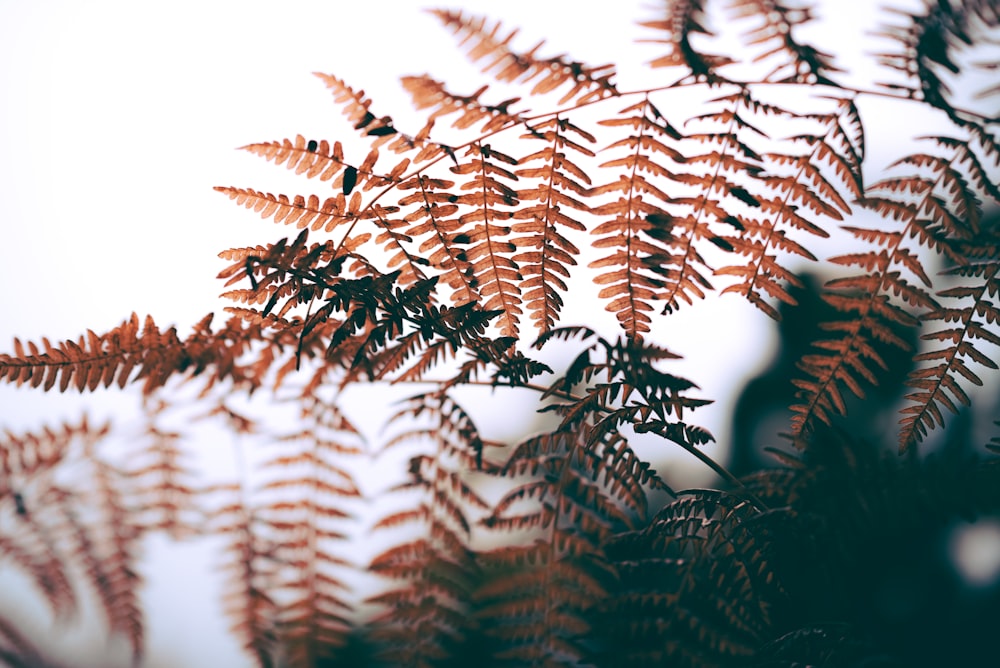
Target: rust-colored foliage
(434, 257)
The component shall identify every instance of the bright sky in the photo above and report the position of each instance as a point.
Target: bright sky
(117, 118)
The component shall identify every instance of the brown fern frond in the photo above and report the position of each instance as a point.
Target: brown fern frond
(94, 360)
(163, 483)
(16, 650)
(425, 613)
(538, 603)
(424, 616)
(130, 353)
(927, 43)
(804, 185)
(975, 321)
(33, 539)
(428, 93)
(633, 260)
(621, 384)
(726, 133)
(301, 212)
(307, 497)
(433, 214)
(799, 63)
(357, 109)
(25, 456)
(589, 83)
(33, 550)
(559, 182)
(117, 579)
(100, 535)
(680, 21)
(248, 566)
(490, 251)
(927, 208)
(320, 160)
(453, 431)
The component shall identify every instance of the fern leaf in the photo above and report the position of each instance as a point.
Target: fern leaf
(162, 482)
(490, 251)
(299, 211)
(424, 614)
(799, 63)
(539, 611)
(589, 83)
(632, 254)
(308, 498)
(428, 93)
(696, 586)
(679, 22)
(927, 42)
(251, 610)
(938, 384)
(433, 216)
(762, 240)
(866, 298)
(545, 254)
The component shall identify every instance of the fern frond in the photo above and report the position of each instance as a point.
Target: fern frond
(697, 586)
(25, 456)
(433, 214)
(428, 93)
(301, 212)
(490, 250)
(100, 535)
(558, 183)
(320, 160)
(425, 612)
(926, 43)
(622, 385)
(589, 83)
(16, 650)
(538, 603)
(802, 185)
(681, 20)
(35, 538)
(799, 63)
(248, 567)
(357, 109)
(976, 321)
(635, 253)
(127, 353)
(162, 482)
(874, 318)
(307, 497)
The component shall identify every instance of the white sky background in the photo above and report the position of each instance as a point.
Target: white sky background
(117, 118)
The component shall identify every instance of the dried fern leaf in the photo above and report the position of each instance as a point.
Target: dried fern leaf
(922, 213)
(490, 251)
(679, 21)
(939, 383)
(425, 611)
(632, 251)
(589, 83)
(556, 184)
(538, 607)
(308, 495)
(775, 34)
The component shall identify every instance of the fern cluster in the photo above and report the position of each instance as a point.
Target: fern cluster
(446, 264)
